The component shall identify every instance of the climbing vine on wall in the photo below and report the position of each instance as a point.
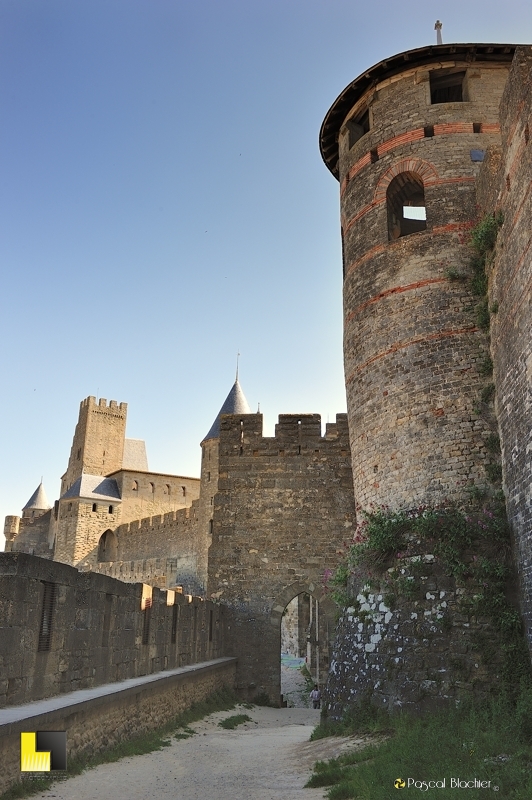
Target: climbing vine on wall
(393, 550)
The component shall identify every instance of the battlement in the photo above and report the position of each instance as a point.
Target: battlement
(91, 402)
(172, 519)
(242, 433)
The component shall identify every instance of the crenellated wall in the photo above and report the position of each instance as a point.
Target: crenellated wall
(283, 509)
(98, 444)
(166, 550)
(62, 630)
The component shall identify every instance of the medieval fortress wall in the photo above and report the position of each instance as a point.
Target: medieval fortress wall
(268, 516)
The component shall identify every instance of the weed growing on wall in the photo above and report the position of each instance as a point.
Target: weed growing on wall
(393, 551)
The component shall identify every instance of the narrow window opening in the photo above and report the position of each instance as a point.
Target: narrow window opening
(405, 200)
(428, 131)
(373, 156)
(110, 509)
(173, 637)
(357, 127)
(79, 453)
(208, 476)
(211, 526)
(168, 489)
(527, 133)
(477, 127)
(45, 630)
(152, 488)
(146, 622)
(135, 486)
(95, 507)
(446, 87)
(508, 183)
(184, 491)
(107, 620)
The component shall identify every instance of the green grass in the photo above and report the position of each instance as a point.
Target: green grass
(230, 723)
(489, 742)
(178, 728)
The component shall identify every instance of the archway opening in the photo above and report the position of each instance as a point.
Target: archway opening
(405, 199)
(300, 657)
(107, 547)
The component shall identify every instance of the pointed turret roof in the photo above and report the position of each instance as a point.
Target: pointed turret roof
(235, 403)
(38, 500)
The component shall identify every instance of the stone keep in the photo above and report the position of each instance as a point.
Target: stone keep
(403, 140)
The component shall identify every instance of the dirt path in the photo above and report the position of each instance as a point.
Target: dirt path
(269, 758)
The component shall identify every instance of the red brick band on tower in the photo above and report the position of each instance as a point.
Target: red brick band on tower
(405, 140)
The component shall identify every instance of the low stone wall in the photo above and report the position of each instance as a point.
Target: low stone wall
(97, 719)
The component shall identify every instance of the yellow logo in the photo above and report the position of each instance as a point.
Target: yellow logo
(43, 751)
(399, 783)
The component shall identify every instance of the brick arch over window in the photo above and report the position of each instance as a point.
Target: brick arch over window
(425, 170)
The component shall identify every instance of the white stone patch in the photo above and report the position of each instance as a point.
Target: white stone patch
(442, 594)
(369, 648)
(387, 618)
(430, 596)
(413, 615)
(375, 637)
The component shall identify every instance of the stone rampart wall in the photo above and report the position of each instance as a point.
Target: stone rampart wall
(62, 630)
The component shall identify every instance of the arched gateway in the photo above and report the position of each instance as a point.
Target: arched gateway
(282, 513)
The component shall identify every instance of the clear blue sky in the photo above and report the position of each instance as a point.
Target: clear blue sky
(164, 205)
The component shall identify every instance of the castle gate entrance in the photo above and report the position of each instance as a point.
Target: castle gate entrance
(283, 510)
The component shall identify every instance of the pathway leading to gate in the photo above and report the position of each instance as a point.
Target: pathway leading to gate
(269, 758)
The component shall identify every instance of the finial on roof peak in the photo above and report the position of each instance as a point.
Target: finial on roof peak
(237, 357)
(437, 27)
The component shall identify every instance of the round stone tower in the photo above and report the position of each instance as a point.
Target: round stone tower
(405, 140)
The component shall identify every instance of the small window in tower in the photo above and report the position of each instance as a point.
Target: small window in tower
(208, 476)
(210, 526)
(168, 489)
(95, 507)
(135, 486)
(152, 488)
(184, 490)
(357, 127)
(110, 509)
(446, 86)
(405, 199)
(79, 453)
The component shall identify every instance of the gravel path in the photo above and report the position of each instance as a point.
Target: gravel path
(269, 758)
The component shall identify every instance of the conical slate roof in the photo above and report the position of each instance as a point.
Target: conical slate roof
(235, 403)
(38, 500)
